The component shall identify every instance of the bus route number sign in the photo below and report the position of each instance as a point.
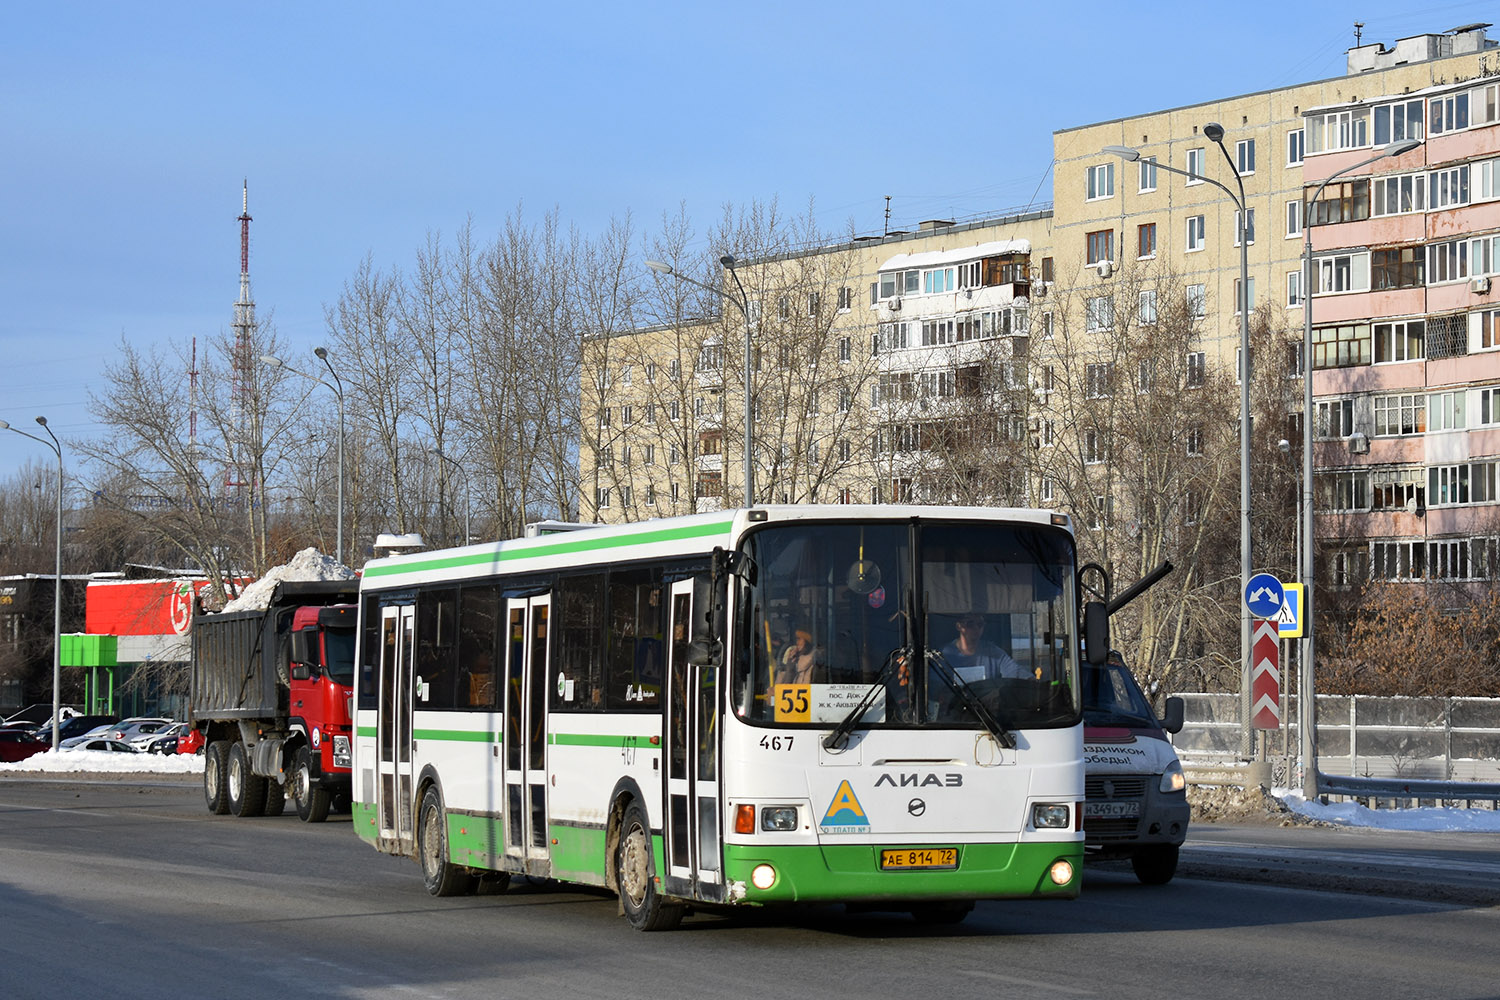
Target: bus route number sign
(793, 702)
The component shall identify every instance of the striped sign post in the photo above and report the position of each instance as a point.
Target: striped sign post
(1265, 674)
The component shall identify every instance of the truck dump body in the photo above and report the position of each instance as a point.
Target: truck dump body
(239, 658)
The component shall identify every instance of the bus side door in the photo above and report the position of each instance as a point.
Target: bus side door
(528, 628)
(393, 787)
(691, 821)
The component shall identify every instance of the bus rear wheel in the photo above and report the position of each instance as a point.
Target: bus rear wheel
(312, 799)
(635, 874)
(441, 876)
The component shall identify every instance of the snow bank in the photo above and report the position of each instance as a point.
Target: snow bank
(307, 565)
(103, 761)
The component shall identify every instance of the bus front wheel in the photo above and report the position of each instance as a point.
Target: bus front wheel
(635, 873)
(442, 877)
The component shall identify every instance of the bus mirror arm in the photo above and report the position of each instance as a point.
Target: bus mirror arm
(1140, 586)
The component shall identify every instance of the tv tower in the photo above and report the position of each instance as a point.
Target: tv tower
(235, 478)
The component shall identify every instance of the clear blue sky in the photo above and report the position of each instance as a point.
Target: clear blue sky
(128, 128)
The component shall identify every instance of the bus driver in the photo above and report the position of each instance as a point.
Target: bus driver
(975, 658)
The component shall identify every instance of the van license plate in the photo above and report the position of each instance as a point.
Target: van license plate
(1111, 810)
(918, 858)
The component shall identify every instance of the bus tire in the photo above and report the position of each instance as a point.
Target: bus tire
(312, 800)
(441, 876)
(1155, 865)
(215, 791)
(635, 874)
(275, 798)
(951, 912)
(246, 790)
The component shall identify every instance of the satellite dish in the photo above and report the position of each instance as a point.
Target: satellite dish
(864, 576)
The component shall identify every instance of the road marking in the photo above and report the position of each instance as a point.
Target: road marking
(1032, 983)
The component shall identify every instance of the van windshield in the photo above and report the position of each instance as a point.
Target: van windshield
(1111, 697)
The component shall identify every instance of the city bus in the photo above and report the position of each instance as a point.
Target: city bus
(741, 708)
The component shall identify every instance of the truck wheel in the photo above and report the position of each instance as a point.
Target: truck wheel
(214, 789)
(442, 877)
(247, 791)
(312, 800)
(275, 797)
(1155, 865)
(635, 874)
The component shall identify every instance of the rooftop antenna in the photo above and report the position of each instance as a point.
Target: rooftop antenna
(1358, 28)
(887, 215)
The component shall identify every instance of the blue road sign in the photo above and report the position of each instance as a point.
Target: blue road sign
(1263, 595)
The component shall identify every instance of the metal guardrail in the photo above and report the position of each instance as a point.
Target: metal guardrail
(1408, 788)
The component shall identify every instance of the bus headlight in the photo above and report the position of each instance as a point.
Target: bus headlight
(778, 819)
(1051, 816)
(763, 876)
(1061, 872)
(1172, 779)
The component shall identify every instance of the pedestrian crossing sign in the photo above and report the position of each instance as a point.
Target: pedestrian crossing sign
(1289, 619)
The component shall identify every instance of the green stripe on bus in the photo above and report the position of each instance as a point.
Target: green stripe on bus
(553, 549)
(587, 740)
(364, 731)
(455, 735)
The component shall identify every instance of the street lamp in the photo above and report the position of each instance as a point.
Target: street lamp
(744, 306)
(1215, 133)
(1305, 700)
(439, 453)
(337, 385)
(56, 446)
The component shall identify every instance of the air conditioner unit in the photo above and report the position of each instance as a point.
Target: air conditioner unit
(1479, 285)
(894, 305)
(1106, 268)
(1359, 444)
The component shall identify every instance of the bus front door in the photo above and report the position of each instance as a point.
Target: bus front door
(393, 790)
(692, 834)
(527, 657)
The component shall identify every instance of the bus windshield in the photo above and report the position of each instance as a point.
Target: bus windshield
(901, 624)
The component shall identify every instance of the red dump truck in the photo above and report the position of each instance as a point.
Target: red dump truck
(270, 695)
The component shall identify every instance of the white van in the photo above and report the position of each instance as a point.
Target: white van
(1135, 793)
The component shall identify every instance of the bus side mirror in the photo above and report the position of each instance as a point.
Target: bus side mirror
(1096, 633)
(703, 652)
(1174, 716)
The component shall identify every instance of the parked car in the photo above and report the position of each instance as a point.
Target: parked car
(129, 729)
(191, 741)
(76, 725)
(163, 741)
(16, 745)
(101, 743)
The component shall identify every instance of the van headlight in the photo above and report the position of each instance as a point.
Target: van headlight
(1052, 815)
(1172, 779)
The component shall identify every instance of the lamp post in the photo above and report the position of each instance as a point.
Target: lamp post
(465, 472)
(1306, 720)
(743, 303)
(337, 385)
(1215, 133)
(56, 446)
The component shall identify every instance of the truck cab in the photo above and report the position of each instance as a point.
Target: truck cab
(321, 668)
(1135, 792)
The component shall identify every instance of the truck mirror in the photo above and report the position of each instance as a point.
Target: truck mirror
(1174, 716)
(301, 672)
(1096, 633)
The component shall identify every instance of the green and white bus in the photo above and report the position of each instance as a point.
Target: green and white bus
(741, 708)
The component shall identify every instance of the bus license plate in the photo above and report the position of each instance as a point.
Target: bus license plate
(1111, 810)
(918, 858)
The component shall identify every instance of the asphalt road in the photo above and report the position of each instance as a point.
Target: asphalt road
(119, 890)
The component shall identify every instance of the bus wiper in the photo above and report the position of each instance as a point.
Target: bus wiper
(837, 739)
(971, 701)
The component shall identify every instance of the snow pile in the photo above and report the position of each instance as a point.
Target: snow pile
(103, 761)
(1425, 818)
(307, 565)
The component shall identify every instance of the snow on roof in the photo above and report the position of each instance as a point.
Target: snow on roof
(934, 258)
(307, 565)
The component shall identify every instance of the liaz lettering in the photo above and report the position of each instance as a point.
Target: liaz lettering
(916, 780)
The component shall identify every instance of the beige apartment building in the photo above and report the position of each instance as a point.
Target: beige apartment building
(919, 366)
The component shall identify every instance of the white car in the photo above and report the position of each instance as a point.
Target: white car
(96, 743)
(144, 740)
(129, 729)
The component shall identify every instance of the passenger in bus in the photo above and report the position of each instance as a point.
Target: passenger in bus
(482, 680)
(797, 660)
(975, 658)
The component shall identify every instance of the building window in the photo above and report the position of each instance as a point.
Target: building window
(1293, 218)
(1196, 231)
(1197, 301)
(1342, 201)
(897, 283)
(1349, 272)
(1451, 113)
(1101, 246)
(1099, 379)
(1335, 418)
(1447, 261)
(1489, 330)
(674, 370)
(1148, 174)
(1244, 156)
(783, 311)
(814, 303)
(675, 409)
(1398, 267)
(1047, 269)
(1195, 440)
(1147, 312)
(1341, 346)
(844, 452)
(1293, 289)
(1145, 375)
(1101, 182)
(1240, 300)
(674, 492)
(1145, 240)
(1447, 410)
(1343, 491)
(846, 299)
(1449, 187)
(603, 416)
(939, 279)
(601, 497)
(1398, 195)
(1049, 432)
(1047, 490)
(627, 415)
(1395, 122)
(1095, 450)
(1294, 147)
(1404, 413)
(650, 454)
(1337, 130)
(1099, 313)
(1195, 166)
(1249, 226)
(1197, 369)
(651, 373)
(1102, 513)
